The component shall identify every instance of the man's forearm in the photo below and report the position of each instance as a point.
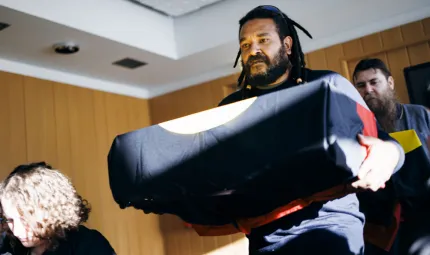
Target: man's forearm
(387, 138)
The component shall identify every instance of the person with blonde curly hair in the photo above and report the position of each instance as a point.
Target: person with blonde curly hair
(43, 214)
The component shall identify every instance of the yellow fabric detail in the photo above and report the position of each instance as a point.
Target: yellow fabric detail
(408, 139)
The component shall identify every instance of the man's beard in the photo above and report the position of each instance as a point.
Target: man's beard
(384, 108)
(274, 70)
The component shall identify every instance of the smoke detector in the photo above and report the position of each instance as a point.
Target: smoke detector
(66, 48)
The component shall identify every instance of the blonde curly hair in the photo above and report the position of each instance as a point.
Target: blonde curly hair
(46, 199)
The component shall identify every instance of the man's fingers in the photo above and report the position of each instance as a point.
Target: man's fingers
(373, 172)
(362, 176)
(379, 185)
(364, 169)
(375, 179)
(356, 184)
(368, 184)
(371, 179)
(360, 184)
(376, 185)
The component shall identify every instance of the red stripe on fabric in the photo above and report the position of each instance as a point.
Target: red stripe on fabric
(247, 224)
(369, 121)
(383, 236)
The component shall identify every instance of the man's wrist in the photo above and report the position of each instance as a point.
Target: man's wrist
(394, 149)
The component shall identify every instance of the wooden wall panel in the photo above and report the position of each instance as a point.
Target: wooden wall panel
(63, 131)
(410, 32)
(318, 59)
(419, 54)
(72, 128)
(426, 26)
(398, 60)
(352, 48)
(182, 241)
(392, 37)
(398, 47)
(40, 121)
(190, 100)
(13, 147)
(333, 54)
(372, 43)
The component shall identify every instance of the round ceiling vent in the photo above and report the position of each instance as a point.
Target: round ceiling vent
(66, 48)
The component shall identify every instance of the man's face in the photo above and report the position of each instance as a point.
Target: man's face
(376, 89)
(264, 55)
(378, 93)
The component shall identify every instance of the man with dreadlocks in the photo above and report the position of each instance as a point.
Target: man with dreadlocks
(273, 60)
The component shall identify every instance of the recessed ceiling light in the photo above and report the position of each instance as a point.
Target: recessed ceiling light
(66, 48)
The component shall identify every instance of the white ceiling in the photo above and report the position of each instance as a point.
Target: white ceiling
(176, 8)
(180, 51)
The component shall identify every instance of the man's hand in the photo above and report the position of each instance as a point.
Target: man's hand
(378, 166)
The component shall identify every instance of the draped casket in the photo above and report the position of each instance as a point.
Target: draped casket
(243, 159)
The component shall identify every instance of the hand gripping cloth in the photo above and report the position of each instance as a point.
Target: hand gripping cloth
(243, 159)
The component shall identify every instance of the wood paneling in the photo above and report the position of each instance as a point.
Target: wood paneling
(412, 31)
(13, 149)
(40, 121)
(182, 241)
(419, 54)
(392, 37)
(333, 54)
(318, 59)
(352, 48)
(191, 100)
(398, 60)
(398, 47)
(372, 43)
(72, 128)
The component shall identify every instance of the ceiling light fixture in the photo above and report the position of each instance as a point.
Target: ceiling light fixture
(66, 48)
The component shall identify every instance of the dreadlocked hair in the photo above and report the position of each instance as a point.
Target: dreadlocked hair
(285, 27)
